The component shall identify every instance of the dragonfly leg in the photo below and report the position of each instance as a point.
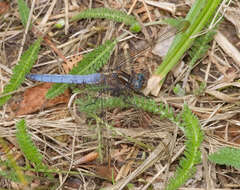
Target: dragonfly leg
(113, 92)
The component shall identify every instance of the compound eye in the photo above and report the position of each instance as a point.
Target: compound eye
(138, 84)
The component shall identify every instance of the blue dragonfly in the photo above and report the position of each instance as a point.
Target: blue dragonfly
(135, 83)
(116, 79)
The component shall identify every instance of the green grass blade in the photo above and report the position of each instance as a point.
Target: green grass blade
(192, 154)
(226, 156)
(23, 11)
(199, 16)
(25, 64)
(200, 47)
(110, 14)
(198, 20)
(27, 146)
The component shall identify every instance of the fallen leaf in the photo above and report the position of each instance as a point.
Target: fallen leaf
(4, 6)
(231, 134)
(87, 158)
(53, 46)
(34, 100)
(71, 62)
(106, 172)
(229, 73)
(170, 7)
(126, 168)
(120, 154)
(73, 182)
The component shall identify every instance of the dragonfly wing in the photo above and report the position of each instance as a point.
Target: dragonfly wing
(170, 33)
(161, 46)
(69, 79)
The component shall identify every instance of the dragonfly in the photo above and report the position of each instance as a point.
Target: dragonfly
(134, 82)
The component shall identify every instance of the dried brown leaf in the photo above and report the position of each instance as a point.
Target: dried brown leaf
(4, 7)
(87, 158)
(34, 99)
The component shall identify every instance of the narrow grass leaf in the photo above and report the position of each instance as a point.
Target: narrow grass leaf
(199, 16)
(110, 14)
(27, 146)
(200, 47)
(226, 156)
(23, 11)
(25, 64)
(192, 154)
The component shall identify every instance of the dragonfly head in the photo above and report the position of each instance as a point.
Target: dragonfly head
(138, 81)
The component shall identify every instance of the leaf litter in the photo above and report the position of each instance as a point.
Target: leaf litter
(217, 106)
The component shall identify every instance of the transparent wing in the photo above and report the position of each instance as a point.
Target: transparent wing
(164, 36)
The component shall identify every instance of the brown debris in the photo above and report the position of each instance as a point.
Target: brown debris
(34, 100)
(4, 7)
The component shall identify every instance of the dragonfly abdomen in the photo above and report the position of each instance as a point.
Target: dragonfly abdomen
(69, 79)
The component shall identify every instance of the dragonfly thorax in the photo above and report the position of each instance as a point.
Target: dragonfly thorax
(135, 81)
(138, 81)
